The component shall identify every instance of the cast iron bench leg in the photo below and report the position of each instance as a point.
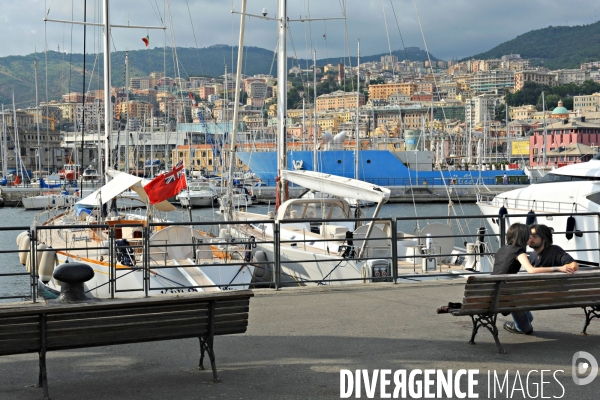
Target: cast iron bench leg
(589, 315)
(201, 362)
(489, 322)
(43, 378)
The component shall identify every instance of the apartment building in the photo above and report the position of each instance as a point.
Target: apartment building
(383, 91)
(537, 76)
(206, 91)
(77, 97)
(586, 103)
(73, 113)
(495, 81)
(480, 109)
(522, 113)
(141, 83)
(565, 76)
(338, 100)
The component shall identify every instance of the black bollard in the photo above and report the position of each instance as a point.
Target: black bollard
(72, 277)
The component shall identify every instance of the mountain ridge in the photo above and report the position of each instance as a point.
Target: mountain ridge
(555, 47)
(65, 71)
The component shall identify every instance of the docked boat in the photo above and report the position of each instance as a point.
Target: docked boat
(91, 174)
(70, 172)
(572, 190)
(198, 194)
(380, 166)
(49, 200)
(318, 242)
(178, 258)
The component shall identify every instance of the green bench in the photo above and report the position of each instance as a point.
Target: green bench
(39, 328)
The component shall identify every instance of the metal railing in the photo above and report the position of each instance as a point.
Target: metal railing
(151, 259)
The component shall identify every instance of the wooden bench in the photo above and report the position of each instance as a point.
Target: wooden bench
(41, 328)
(487, 296)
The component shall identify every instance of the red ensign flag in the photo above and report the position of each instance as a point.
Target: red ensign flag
(166, 185)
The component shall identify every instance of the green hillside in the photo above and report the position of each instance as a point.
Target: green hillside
(554, 47)
(65, 71)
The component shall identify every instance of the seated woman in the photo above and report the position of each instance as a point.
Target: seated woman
(509, 259)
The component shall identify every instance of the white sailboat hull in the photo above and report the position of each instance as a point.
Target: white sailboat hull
(48, 201)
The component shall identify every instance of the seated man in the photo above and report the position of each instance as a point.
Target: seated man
(545, 254)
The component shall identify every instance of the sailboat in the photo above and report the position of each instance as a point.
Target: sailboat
(317, 242)
(311, 249)
(131, 254)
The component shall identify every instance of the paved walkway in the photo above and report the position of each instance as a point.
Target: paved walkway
(299, 339)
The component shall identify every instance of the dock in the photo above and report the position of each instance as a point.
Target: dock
(299, 339)
(414, 194)
(266, 194)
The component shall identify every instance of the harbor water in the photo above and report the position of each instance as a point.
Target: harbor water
(19, 217)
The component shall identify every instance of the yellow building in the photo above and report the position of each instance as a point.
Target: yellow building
(338, 100)
(383, 91)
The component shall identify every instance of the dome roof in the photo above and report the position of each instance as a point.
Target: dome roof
(560, 109)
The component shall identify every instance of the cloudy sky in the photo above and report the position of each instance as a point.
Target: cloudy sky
(452, 28)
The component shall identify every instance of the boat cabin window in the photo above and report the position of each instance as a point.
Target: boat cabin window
(594, 197)
(315, 211)
(565, 178)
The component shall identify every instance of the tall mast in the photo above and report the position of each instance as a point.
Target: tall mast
(282, 102)
(126, 165)
(37, 119)
(236, 108)
(107, 87)
(315, 159)
(4, 146)
(357, 111)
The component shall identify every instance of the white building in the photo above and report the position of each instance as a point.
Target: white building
(480, 109)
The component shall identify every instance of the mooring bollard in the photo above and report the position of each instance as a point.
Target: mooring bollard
(72, 277)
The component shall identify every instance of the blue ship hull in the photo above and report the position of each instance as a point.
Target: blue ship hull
(381, 167)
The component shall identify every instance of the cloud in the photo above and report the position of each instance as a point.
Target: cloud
(452, 29)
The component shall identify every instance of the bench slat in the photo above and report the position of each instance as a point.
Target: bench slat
(186, 329)
(566, 281)
(33, 319)
(473, 279)
(219, 305)
(20, 345)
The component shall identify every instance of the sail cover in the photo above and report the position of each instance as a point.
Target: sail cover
(120, 183)
(338, 185)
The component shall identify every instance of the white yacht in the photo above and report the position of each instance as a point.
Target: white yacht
(91, 174)
(572, 190)
(198, 194)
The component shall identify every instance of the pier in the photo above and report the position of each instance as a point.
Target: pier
(410, 194)
(266, 194)
(298, 340)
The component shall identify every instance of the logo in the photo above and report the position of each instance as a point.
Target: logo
(580, 368)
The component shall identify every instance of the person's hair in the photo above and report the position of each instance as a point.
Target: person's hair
(518, 235)
(544, 233)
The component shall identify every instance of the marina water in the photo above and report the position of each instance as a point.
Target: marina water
(19, 217)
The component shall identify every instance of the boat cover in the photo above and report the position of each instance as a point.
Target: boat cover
(338, 185)
(121, 182)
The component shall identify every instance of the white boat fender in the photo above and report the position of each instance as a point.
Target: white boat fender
(263, 269)
(21, 235)
(24, 249)
(38, 256)
(47, 262)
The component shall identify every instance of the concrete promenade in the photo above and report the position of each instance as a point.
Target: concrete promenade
(299, 339)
